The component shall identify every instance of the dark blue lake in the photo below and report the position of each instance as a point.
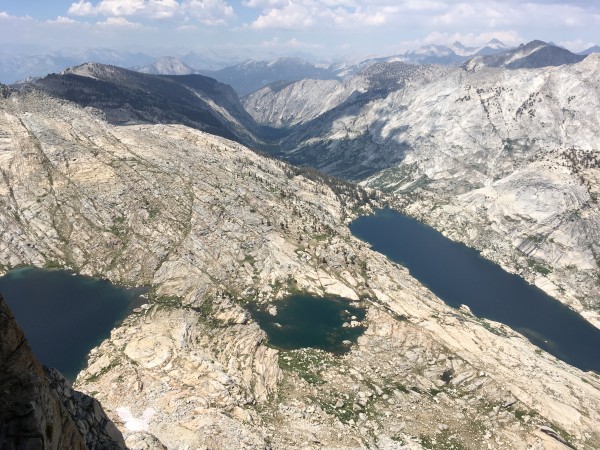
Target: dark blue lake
(459, 275)
(305, 321)
(64, 315)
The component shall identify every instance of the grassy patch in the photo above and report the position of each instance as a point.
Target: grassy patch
(344, 413)
(307, 363)
(427, 442)
(152, 211)
(538, 239)
(167, 301)
(206, 308)
(96, 377)
(398, 439)
(538, 267)
(53, 264)
(492, 329)
(249, 259)
(395, 386)
(569, 439)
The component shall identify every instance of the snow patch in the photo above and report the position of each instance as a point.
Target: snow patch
(132, 423)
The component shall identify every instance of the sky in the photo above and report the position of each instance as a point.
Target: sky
(328, 29)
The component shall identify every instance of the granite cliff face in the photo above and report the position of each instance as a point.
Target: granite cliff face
(504, 161)
(211, 225)
(286, 104)
(38, 410)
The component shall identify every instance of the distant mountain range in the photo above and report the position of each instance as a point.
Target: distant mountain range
(534, 55)
(167, 65)
(251, 75)
(17, 67)
(589, 51)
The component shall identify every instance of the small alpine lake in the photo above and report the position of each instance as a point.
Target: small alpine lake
(460, 275)
(300, 321)
(65, 315)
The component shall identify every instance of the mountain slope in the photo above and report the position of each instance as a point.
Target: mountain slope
(589, 51)
(535, 54)
(210, 226)
(505, 161)
(167, 65)
(493, 47)
(126, 96)
(289, 104)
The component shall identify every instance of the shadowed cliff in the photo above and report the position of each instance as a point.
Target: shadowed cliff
(38, 409)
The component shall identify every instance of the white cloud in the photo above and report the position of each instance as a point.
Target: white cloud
(363, 27)
(119, 22)
(292, 43)
(496, 14)
(81, 8)
(424, 5)
(306, 14)
(155, 9)
(577, 45)
(264, 3)
(62, 20)
(187, 28)
(291, 16)
(443, 15)
(4, 16)
(208, 12)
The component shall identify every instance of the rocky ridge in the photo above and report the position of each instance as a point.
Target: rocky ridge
(211, 225)
(128, 97)
(534, 54)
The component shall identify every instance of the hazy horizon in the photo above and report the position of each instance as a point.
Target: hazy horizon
(321, 29)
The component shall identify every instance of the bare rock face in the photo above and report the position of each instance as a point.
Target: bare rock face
(210, 226)
(4, 91)
(38, 410)
(505, 161)
(287, 104)
(508, 163)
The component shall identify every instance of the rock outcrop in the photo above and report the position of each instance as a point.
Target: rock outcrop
(38, 410)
